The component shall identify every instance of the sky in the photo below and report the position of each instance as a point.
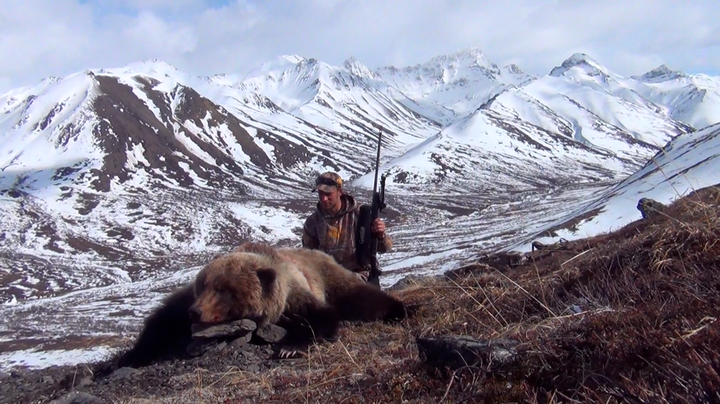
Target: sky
(41, 38)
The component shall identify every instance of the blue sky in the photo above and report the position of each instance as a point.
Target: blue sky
(40, 38)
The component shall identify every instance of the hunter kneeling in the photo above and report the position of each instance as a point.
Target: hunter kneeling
(332, 228)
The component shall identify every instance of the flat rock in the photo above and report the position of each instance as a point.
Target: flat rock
(240, 341)
(458, 351)
(226, 330)
(270, 333)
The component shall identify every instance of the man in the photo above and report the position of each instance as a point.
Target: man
(331, 228)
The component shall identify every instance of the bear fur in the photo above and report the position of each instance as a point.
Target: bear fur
(304, 291)
(166, 332)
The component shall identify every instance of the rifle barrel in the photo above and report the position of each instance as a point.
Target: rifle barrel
(377, 161)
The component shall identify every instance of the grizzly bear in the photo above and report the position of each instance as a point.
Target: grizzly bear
(304, 291)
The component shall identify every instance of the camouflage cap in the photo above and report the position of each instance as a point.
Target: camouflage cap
(327, 180)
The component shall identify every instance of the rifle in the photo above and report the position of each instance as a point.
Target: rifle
(365, 241)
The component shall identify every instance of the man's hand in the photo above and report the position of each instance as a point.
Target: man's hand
(378, 228)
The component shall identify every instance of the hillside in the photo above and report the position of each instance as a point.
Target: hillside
(628, 315)
(687, 163)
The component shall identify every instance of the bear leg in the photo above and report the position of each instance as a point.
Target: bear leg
(364, 302)
(307, 319)
(166, 330)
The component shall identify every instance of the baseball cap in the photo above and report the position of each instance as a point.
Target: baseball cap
(327, 180)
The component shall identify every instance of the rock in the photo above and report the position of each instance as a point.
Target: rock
(500, 260)
(232, 329)
(412, 280)
(649, 207)
(270, 333)
(4, 375)
(123, 373)
(561, 244)
(513, 258)
(85, 381)
(240, 341)
(199, 347)
(459, 351)
(78, 398)
(82, 376)
(48, 380)
(468, 270)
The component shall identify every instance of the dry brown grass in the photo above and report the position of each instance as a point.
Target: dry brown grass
(647, 329)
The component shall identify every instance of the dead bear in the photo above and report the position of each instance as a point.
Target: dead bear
(304, 291)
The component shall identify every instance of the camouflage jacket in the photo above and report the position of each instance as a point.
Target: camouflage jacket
(335, 234)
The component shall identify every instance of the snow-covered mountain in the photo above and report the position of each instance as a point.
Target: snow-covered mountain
(344, 101)
(686, 164)
(449, 87)
(692, 99)
(116, 183)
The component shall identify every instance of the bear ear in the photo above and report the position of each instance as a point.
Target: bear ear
(267, 278)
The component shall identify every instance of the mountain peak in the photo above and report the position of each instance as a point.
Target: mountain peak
(471, 55)
(276, 65)
(580, 60)
(357, 68)
(292, 58)
(513, 69)
(158, 65)
(146, 66)
(156, 61)
(659, 74)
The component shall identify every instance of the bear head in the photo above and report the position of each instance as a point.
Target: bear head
(236, 286)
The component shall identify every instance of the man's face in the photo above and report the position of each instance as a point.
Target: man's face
(330, 201)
